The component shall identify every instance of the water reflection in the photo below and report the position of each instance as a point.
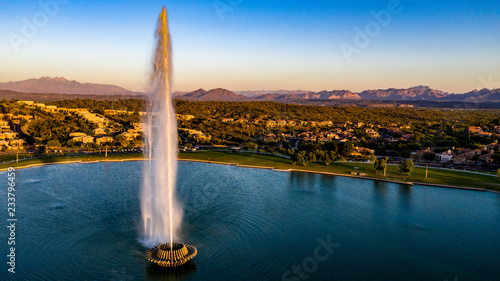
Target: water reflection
(404, 192)
(380, 192)
(328, 181)
(156, 272)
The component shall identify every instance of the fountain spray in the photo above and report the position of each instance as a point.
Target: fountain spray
(161, 213)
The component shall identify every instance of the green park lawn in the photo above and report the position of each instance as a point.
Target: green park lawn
(435, 176)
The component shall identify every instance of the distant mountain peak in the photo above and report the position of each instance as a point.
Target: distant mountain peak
(53, 79)
(60, 85)
(420, 88)
(218, 94)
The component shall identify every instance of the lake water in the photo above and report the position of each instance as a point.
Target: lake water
(79, 222)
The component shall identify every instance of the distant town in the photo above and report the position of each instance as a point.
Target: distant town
(465, 139)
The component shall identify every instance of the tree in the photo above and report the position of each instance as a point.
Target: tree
(311, 157)
(251, 145)
(380, 166)
(346, 149)
(386, 161)
(283, 150)
(293, 156)
(496, 157)
(372, 158)
(320, 155)
(406, 167)
(301, 158)
(328, 159)
(332, 155)
(53, 143)
(188, 145)
(429, 156)
(42, 149)
(498, 173)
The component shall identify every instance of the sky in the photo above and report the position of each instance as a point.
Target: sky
(240, 45)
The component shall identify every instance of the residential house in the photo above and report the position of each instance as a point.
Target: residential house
(100, 131)
(373, 134)
(271, 123)
(446, 156)
(362, 151)
(281, 122)
(420, 154)
(26, 102)
(486, 158)
(476, 130)
(84, 139)
(493, 147)
(4, 125)
(484, 134)
(184, 117)
(407, 137)
(460, 159)
(77, 134)
(9, 135)
(271, 137)
(51, 108)
(17, 142)
(103, 140)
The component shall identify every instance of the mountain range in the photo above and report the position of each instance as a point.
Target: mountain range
(419, 93)
(62, 86)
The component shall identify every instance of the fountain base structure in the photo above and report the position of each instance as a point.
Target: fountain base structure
(166, 256)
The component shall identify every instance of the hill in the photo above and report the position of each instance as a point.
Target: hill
(212, 95)
(414, 93)
(59, 85)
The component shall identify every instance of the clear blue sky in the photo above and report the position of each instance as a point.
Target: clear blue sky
(253, 45)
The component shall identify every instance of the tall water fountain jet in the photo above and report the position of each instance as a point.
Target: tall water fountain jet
(161, 215)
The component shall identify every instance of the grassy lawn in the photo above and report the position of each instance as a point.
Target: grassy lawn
(435, 176)
(7, 157)
(67, 158)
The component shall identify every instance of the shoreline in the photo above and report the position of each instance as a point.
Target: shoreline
(263, 168)
(346, 175)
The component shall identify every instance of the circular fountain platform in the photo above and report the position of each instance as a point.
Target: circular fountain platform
(174, 256)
